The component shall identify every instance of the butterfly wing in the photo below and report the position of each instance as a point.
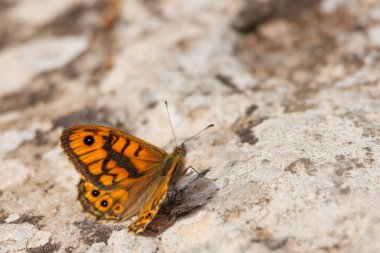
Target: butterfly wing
(107, 158)
(143, 197)
(104, 205)
(121, 175)
(155, 197)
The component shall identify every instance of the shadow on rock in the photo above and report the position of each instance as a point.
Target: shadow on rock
(180, 203)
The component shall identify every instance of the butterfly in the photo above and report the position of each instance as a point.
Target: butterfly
(121, 175)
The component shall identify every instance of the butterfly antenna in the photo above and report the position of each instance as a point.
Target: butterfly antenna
(171, 125)
(209, 126)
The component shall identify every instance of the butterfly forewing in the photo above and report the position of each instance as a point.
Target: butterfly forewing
(108, 158)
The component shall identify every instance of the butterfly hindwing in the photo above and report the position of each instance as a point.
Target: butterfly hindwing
(101, 204)
(108, 158)
(143, 197)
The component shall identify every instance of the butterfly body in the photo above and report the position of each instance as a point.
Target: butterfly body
(121, 175)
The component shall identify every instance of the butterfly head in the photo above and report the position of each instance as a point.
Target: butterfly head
(180, 150)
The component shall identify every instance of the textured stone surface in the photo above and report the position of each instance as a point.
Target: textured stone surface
(295, 99)
(21, 64)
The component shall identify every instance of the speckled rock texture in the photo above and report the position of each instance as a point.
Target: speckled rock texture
(294, 94)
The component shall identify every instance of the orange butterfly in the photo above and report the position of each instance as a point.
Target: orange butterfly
(121, 175)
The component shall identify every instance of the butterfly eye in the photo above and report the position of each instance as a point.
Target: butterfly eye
(95, 193)
(89, 140)
(104, 203)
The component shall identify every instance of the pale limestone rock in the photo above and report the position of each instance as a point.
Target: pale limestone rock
(11, 139)
(374, 35)
(24, 62)
(14, 237)
(295, 151)
(39, 12)
(120, 241)
(96, 247)
(40, 238)
(12, 218)
(15, 173)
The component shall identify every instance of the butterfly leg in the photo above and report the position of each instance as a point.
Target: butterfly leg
(200, 174)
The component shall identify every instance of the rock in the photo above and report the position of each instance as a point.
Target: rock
(39, 239)
(12, 218)
(17, 173)
(374, 35)
(14, 237)
(21, 66)
(29, 12)
(290, 166)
